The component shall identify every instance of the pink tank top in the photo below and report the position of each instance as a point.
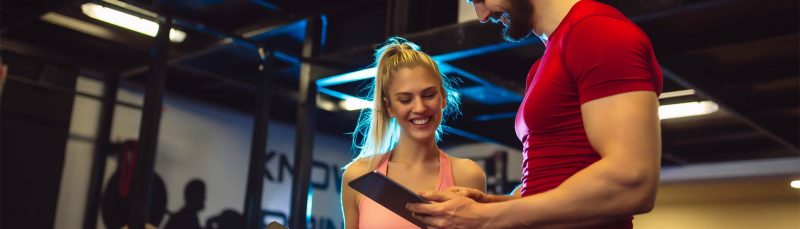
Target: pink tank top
(373, 215)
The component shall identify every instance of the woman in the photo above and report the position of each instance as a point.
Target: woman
(400, 134)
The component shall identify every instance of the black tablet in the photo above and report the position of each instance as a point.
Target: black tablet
(388, 193)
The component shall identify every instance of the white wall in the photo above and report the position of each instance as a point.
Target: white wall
(742, 203)
(466, 12)
(766, 214)
(200, 141)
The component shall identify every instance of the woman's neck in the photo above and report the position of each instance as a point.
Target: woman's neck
(412, 152)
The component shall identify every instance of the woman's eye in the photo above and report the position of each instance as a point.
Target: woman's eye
(405, 101)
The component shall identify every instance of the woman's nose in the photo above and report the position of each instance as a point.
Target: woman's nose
(419, 106)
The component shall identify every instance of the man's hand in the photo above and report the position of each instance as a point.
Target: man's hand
(482, 197)
(471, 193)
(451, 210)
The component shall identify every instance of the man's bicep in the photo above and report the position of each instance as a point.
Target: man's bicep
(625, 125)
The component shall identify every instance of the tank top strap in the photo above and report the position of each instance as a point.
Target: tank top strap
(445, 172)
(383, 164)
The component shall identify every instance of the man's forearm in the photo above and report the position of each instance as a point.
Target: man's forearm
(594, 195)
(500, 198)
(516, 193)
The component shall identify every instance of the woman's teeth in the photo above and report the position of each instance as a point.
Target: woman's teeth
(420, 121)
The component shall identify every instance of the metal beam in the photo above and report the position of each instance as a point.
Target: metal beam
(227, 41)
(306, 125)
(243, 36)
(667, 28)
(26, 49)
(101, 148)
(397, 15)
(68, 91)
(276, 91)
(258, 146)
(31, 15)
(142, 180)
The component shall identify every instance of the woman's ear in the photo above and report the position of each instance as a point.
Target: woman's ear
(444, 99)
(388, 108)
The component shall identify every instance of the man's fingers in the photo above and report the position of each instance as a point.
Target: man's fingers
(468, 192)
(431, 221)
(437, 196)
(455, 189)
(422, 209)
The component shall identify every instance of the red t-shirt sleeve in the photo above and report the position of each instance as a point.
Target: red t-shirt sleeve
(607, 56)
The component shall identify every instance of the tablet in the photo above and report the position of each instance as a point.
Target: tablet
(388, 193)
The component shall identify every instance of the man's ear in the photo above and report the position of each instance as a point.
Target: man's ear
(388, 108)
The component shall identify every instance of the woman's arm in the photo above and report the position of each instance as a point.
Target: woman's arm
(349, 196)
(467, 173)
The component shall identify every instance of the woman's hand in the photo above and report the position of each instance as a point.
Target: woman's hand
(451, 210)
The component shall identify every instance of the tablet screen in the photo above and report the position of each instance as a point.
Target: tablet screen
(388, 193)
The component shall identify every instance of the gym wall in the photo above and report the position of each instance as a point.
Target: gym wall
(204, 142)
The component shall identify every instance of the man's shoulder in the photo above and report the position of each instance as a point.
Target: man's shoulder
(600, 16)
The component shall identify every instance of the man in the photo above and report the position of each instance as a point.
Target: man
(195, 196)
(588, 125)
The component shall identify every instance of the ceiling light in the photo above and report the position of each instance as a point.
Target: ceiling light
(352, 104)
(326, 104)
(125, 20)
(687, 109)
(673, 94)
(795, 184)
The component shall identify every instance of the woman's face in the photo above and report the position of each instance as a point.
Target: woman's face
(415, 99)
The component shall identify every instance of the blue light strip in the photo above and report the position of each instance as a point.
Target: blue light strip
(447, 68)
(287, 58)
(266, 4)
(342, 96)
(468, 135)
(484, 50)
(489, 117)
(323, 36)
(347, 77)
(309, 204)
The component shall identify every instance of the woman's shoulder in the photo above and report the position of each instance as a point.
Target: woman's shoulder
(465, 165)
(467, 173)
(466, 169)
(359, 167)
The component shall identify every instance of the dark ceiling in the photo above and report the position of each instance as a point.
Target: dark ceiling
(741, 54)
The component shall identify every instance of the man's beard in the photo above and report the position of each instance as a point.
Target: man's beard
(519, 26)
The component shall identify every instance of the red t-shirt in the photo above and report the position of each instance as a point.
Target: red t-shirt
(595, 52)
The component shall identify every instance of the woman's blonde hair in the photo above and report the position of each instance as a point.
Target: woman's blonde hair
(376, 132)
